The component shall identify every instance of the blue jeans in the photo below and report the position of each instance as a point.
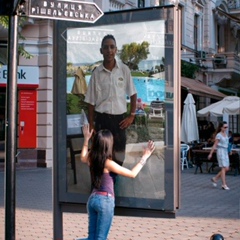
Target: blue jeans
(100, 215)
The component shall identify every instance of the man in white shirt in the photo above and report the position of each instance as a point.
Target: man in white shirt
(109, 85)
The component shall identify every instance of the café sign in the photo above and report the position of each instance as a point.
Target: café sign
(64, 10)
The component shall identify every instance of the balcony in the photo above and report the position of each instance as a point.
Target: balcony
(219, 61)
(229, 61)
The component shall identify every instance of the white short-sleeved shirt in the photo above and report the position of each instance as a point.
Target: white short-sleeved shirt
(223, 141)
(107, 90)
(222, 151)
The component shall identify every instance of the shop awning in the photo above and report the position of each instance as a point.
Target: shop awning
(198, 88)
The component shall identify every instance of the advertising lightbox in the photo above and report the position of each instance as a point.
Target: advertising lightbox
(156, 79)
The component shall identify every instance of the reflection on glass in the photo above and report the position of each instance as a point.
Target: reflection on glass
(151, 75)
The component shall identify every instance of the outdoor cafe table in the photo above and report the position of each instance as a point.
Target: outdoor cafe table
(200, 156)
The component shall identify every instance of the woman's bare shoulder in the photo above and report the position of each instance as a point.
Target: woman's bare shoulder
(108, 165)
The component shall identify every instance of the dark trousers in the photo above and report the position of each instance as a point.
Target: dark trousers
(111, 122)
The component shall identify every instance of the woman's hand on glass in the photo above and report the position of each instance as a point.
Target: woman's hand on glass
(149, 149)
(86, 132)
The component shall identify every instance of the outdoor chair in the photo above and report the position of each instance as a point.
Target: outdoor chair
(75, 144)
(184, 155)
(156, 109)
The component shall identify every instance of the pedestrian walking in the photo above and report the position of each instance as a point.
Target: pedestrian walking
(103, 170)
(221, 145)
(108, 87)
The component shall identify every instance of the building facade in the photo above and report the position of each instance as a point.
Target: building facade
(210, 40)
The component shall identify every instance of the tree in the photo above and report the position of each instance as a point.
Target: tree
(4, 21)
(188, 69)
(131, 54)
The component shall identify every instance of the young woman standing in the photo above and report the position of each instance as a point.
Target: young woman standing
(103, 169)
(221, 144)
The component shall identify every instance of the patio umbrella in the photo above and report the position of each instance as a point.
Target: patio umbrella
(216, 109)
(233, 108)
(80, 84)
(189, 130)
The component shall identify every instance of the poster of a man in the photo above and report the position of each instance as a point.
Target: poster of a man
(120, 65)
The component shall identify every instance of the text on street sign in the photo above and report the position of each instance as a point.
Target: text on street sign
(65, 10)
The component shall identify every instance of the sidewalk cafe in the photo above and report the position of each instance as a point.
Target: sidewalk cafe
(196, 132)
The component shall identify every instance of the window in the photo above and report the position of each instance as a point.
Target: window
(195, 31)
(141, 3)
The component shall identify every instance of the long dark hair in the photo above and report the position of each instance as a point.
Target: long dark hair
(101, 150)
(220, 125)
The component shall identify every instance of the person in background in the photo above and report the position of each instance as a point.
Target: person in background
(209, 130)
(156, 101)
(211, 140)
(139, 105)
(230, 137)
(103, 170)
(140, 110)
(109, 85)
(221, 144)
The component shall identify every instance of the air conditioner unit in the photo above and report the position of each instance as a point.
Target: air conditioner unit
(201, 55)
(220, 61)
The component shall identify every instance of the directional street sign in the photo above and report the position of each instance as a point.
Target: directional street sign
(68, 10)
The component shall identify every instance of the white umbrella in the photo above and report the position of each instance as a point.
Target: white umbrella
(233, 108)
(189, 130)
(216, 109)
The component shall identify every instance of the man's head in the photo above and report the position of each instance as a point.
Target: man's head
(108, 36)
(108, 47)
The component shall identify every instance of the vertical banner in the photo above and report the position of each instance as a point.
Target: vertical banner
(27, 119)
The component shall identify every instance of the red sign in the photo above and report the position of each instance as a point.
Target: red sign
(27, 119)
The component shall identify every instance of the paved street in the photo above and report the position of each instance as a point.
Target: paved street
(204, 211)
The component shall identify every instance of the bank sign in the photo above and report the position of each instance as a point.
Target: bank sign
(67, 10)
(27, 77)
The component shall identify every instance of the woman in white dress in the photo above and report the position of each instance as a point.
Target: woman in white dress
(221, 144)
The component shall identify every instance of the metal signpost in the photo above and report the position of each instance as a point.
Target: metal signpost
(76, 11)
(11, 9)
(11, 130)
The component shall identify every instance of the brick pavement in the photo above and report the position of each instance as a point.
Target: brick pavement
(204, 211)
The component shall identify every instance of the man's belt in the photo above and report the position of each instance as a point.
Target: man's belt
(111, 116)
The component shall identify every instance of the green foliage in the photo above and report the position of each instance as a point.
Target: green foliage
(133, 53)
(4, 21)
(22, 52)
(143, 133)
(188, 69)
(75, 104)
(139, 74)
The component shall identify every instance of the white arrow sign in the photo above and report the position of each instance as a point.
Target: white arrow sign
(67, 10)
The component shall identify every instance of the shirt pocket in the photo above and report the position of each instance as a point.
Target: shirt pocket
(120, 84)
(103, 88)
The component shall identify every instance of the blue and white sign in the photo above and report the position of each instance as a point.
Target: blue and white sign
(27, 76)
